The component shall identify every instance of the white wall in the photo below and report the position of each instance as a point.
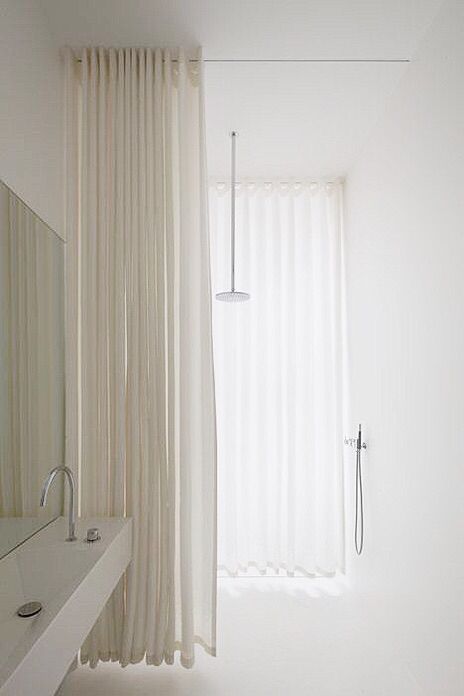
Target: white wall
(31, 109)
(405, 273)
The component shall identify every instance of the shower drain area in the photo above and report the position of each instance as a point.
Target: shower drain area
(29, 609)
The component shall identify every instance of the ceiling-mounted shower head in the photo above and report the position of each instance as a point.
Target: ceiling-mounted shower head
(232, 295)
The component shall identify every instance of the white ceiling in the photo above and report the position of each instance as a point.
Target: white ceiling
(294, 119)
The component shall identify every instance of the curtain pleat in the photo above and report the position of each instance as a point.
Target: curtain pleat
(142, 372)
(278, 364)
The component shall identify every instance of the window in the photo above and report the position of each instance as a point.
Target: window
(278, 372)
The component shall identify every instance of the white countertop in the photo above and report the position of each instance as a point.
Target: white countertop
(72, 580)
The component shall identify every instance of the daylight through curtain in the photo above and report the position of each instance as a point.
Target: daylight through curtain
(278, 379)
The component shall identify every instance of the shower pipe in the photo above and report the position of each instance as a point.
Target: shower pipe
(232, 295)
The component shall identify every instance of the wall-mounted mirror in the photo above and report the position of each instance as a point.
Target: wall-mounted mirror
(31, 369)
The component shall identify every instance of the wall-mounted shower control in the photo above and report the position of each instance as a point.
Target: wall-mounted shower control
(355, 442)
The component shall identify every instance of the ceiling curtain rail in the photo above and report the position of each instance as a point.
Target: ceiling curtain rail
(290, 60)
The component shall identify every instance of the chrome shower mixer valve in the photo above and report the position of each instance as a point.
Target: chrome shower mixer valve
(356, 442)
(353, 442)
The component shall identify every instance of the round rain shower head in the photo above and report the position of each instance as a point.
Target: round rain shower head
(232, 296)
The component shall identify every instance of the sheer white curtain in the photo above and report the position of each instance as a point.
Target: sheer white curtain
(141, 412)
(278, 379)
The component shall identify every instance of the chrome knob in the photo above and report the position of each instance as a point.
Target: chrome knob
(93, 534)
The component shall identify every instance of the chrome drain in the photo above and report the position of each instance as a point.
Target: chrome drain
(29, 609)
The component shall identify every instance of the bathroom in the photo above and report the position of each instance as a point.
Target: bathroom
(259, 495)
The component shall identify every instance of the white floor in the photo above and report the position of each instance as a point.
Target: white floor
(276, 637)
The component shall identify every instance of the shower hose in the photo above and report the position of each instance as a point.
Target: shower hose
(359, 514)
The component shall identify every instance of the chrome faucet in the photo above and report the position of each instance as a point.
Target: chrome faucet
(72, 487)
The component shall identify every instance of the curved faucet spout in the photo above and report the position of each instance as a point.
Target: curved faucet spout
(72, 489)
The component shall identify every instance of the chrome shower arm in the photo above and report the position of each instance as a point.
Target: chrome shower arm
(232, 295)
(233, 136)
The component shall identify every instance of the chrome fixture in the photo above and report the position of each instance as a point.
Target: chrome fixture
(355, 441)
(72, 487)
(359, 445)
(232, 295)
(93, 534)
(29, 609)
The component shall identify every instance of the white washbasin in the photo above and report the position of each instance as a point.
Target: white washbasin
(72, 580)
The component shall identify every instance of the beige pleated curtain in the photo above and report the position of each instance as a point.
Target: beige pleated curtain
(140, 389)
